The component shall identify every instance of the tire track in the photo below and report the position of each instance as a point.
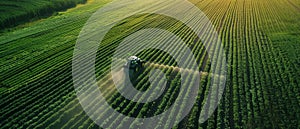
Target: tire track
(294, 5)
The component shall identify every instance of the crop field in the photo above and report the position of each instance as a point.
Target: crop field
(14, 12)
(260, 39)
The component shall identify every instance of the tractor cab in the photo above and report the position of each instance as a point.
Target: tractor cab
(134, 63)
(134, 67)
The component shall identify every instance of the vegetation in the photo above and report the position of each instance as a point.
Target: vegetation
(14, 12)
(261, 40)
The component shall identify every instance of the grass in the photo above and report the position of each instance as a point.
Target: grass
(16, 12)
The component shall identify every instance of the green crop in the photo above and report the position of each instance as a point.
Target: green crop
(260, 39)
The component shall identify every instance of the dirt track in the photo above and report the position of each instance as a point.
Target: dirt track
(294, 5)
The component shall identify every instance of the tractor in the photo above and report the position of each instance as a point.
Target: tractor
(134, 66)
